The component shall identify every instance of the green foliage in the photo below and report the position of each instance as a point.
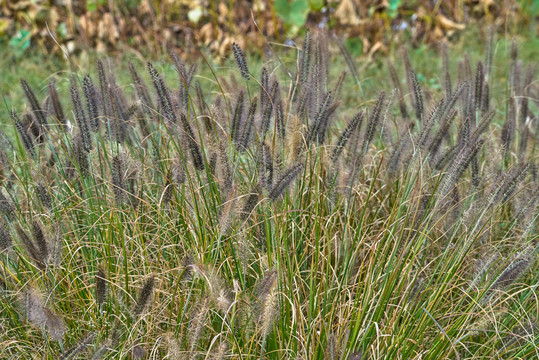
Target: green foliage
(188, 224)
(392, 10)
(91, 5)
(316, 5)
(354, 46)
(62, 30)
(20, 42)
(4, 25)
(529, 6)
(292, 12)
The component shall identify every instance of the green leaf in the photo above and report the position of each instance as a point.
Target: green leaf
(354, 46)
(434, 84)
(392, 10)
(20, 42)
(316, 5)
(292, 13)
(299, 10)
(282, 8)
(91, 5)
(62, 30)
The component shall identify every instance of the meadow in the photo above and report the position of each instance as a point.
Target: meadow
(297, 207)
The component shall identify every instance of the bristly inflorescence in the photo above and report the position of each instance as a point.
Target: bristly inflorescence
(5, 239)
(25, 138)
(144, 295)
(117, 177)
(80, 116)
(101, 286)
(354, 124)
(288, 176)
(90, 92)
(57, 109)
(418, 97)
(40, 315)
(241, 61)
(163, 94)
(38, 112)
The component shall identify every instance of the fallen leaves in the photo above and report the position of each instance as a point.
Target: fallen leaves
(153, 24)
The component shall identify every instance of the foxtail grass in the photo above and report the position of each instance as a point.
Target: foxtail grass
(207, 216)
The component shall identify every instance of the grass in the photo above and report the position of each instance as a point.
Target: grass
(191, 226)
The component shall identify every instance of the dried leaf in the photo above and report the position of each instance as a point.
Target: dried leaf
(346, 13)
(448, 24)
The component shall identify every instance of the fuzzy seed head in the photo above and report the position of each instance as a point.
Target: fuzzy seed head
(241, 61)
(57, 108)
(418, 97)
(285, 180)
(144, 295)
(6, 241)
(39, 315)
(43, 196)
(40, 240)
(198, 322)
(90, 92)
(101, 286)
(118, 182)
(80, 116)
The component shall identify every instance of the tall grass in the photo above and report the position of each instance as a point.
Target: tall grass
(253, 221)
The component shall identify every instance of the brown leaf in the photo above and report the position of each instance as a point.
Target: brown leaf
(448, 24)
(107, 30)
(87, 26)
(346, 13)
(378, 46)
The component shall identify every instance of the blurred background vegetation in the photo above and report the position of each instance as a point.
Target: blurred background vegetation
(149, 26)
(44, 40)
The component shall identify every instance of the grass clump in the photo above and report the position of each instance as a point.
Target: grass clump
(257, 220)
